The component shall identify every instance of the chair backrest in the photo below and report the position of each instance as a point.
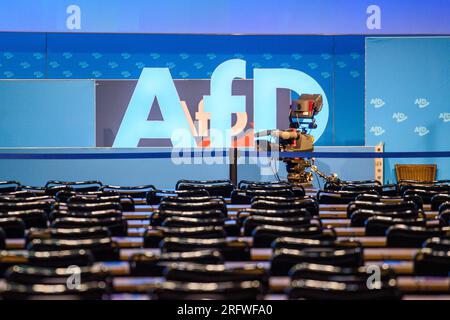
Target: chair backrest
(2, 239)
(416, 172)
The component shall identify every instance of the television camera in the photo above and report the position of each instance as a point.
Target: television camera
(298, 139)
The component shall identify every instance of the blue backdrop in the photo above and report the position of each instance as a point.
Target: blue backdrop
(407, 98)
(407, 82)
(336, 62)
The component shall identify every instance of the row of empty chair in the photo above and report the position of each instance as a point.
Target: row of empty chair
(215, 240)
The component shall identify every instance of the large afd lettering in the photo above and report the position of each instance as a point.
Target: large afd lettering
(217, 108)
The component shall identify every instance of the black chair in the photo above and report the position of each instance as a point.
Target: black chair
(192, 272)
(423, 183)
(192, 199)
(277, 213)
(38, 191)
(401, 236)
(9, 186)
(152, 265)
(102, 249)
(78, 186)
(23, 193)
(9, 259)
(180, 222)
(438, 244)
(2, 239)
(362, 188)
(377, 226)
(444, 206)
(85, 291)
(309, 204)
(332, 290)
(158, 217)
(64, 195)
(284, 259)
(381, 206)
(391, 199)
(341, 276)
(194, 206)
(31, 218)
(338, 185)
(320, 272)
(425, 195)
(263, 236)
(126, 202)
(117, 226)
(232, 250)
(49, 259)
(247, 184)
(246, 196)
(136, 192)
(444, 215)
(245, 290)
(438, 199)
(217, 188)
(426, 192)
(253, 221)
(231, 227)
(297, 190)
(54, 190)
(12, 227)
(68, 234)
(104, 214)
(23, 274)
(359, 217)
(154, 197)
(154, 235)
(60, 259)
(423, 188)
(87, 207)
(339, 196)
(25, 206)
(429, 262)
(23, 196)
(300, 244)
(277, 198)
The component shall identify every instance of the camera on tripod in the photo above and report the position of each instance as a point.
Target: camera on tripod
(304, 110)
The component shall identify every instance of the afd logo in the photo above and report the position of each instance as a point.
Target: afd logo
(377, 102)
(217, 108)
(400, 117)
(377, 131)
(422, 103)
(445, 117)
(421, 131)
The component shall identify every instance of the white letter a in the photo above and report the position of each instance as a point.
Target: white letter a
(73, 21)
(374, 20)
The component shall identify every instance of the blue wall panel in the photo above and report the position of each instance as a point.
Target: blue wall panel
(187, 56)
(348, 84)
(23, 55)
(408, 94)
(47, 113)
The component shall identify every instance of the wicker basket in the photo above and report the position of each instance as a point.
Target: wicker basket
(416, 172)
